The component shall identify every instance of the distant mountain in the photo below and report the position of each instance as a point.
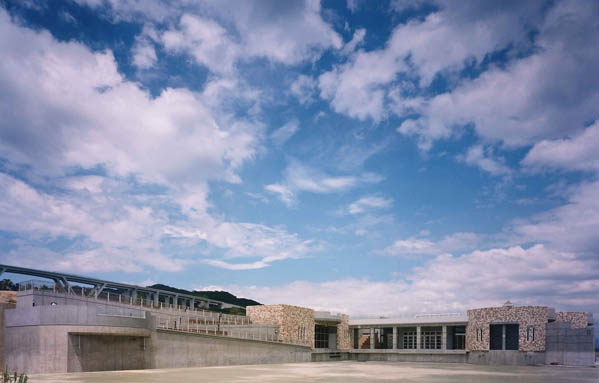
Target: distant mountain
(222, 296)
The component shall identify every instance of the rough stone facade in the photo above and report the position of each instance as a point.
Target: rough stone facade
(343, 334)
(525, 316)
(576, 319)
(296, 324)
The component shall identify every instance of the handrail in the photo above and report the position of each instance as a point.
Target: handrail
(122, 299)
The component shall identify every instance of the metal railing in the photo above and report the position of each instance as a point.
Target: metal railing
(200, 325)
(88, 293)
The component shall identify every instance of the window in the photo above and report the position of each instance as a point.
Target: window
(409, 340)
(530, 333)
(479, 334)
(430, 340)
(321, 336)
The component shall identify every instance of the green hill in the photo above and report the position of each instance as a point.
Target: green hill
(222, 296)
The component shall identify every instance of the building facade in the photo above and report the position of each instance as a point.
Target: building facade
(53, 329)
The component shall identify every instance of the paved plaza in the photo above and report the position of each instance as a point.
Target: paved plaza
(338, 372)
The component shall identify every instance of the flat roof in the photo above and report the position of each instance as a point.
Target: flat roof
(415, 320)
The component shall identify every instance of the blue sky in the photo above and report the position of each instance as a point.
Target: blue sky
(367, 157)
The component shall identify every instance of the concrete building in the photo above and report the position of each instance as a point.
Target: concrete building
(52, 329)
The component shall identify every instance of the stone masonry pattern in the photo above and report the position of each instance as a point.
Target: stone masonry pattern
(576, 319)
(296, 324)
(343, 334)
(524, 315)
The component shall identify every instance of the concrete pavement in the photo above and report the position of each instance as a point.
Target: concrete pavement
(347, 372)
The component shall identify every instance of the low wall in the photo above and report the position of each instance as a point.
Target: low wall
(395, 356)
(91, 315)
(171, 349)
(93, 352)
(570, 346)
(507, 357)
(45, 349)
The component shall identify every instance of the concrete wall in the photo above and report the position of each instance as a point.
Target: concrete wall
(509, 357)
(296, 324)
(173, 350)
(91, 315)
(106, 353)
(45, 349)
(382, 356)
(570, 346)
(525, 316)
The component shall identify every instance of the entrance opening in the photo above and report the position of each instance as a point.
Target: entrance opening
(325, 336)
(456, 337)
(504, 336)
(511, 336)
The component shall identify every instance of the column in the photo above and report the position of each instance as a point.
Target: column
(418, 337)
(395, 338)
(372, 338)
(156, 304)
(193, 304)
(503, 337)
(444, 338)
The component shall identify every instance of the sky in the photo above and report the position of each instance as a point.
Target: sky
(374, 158)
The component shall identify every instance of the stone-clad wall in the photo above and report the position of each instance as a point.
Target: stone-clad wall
(576, 319)
(343, 334)
(296, 324)
(525, 315)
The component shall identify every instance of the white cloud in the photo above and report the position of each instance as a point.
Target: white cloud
(454, 243)
(444, 41)
(205, 40)
(302, 178)
(285, 132)
(578, 153)
(284, 193)
(283, 32)
(485, 159)
(572, 227)
(304, 88)
(367, 203)
(448, 284)
(543, 96)
(357, 39)
(69, 108)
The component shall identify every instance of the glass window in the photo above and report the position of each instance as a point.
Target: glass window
(409, 340)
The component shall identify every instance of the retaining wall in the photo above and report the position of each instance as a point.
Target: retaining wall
(174, 350)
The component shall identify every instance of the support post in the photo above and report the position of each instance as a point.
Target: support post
(503, 337)
(395, 338)
(372, 338)
(444, 338)
(418, 337)
(156, 299)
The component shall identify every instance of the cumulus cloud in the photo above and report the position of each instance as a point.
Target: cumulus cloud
(485, 159)
(571, 227)
(205, 40)
(362, 87)
(70, 108)
(578, 153)
(545, 95)
(449, 283)
(283, 32)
